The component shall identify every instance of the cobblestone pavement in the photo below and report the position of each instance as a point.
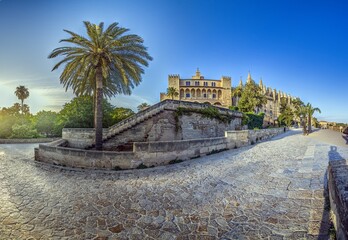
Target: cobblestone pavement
(271, 190)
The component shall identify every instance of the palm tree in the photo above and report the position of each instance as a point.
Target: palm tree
(172, 92)
(311, 110)
(296, 104)
(143, 106)
(22, 93)
(106, 62)
(302, 113)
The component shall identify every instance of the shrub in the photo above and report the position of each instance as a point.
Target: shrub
(24, 131)
(233, 108)
(253, 120)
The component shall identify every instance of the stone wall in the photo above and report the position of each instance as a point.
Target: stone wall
(338, 193)
(80, 137)
(146, 153)
(253, 136)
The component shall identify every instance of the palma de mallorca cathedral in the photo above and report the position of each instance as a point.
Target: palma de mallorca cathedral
(218, 92)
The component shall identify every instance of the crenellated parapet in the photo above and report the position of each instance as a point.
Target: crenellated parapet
(174, 76)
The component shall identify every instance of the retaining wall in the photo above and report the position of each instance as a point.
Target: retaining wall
(338, 193)
(146, 153)
(80, 137)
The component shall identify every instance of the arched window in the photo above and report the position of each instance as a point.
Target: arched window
(193, 93)
(198, 93)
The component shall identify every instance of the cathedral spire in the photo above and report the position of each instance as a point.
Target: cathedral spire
(240, 82)
(249, 78)
(261, 84)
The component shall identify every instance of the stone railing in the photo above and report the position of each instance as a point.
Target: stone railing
(338, 193)
(146, 154)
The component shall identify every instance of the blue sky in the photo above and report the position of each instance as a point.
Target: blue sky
(299, 47)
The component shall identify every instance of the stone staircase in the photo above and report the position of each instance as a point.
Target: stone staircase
(150, 112)
(130, 122)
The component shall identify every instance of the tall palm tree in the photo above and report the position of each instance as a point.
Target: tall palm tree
(22, 93)
(311, 110)
(172, 92)
(105, 62)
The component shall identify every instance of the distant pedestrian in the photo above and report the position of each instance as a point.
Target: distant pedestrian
(341, 129)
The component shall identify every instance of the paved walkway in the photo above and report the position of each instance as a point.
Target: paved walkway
(331, 137)
(271, 190)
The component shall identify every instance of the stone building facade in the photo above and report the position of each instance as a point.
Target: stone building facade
(201, 90)
(218, 92)
(272, 106)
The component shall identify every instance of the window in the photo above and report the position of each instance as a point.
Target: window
(196, 83)
(187, 95)
(204, 95)
(205, 84)
(188, 84)
(213, 84)
(214, 95)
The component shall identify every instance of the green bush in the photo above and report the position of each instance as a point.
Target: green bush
(253, 120)
(24, 131)
(233, 108)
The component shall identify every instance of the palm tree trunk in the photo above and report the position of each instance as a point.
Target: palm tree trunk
(309, 123)
(98, 114)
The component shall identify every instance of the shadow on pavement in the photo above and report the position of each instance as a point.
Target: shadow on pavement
(334, 155)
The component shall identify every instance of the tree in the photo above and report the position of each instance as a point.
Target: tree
(106, 62)
(302, 113)
(143, 106)
(45, 123)
(236, 92)
(311, 110)
(172, 92)
(297, 104)
(78, 113)
(287, 115)
(251, 97)
(121, 113)
(22, 93)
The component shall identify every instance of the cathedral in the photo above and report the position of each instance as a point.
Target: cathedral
(218, 92)
(272, 106)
